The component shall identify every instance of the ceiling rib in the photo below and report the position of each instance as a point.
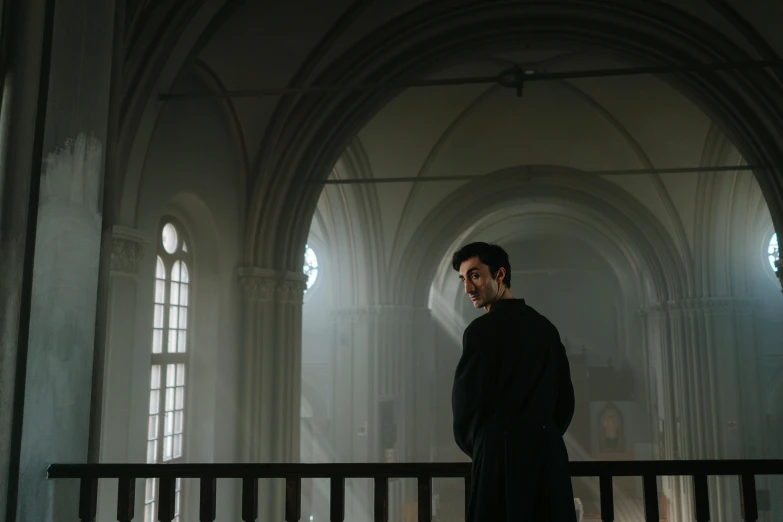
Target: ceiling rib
(620, 172)
(514, 78)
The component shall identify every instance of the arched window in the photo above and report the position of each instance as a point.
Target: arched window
(169, 353)
(773, 251)
(310, 267)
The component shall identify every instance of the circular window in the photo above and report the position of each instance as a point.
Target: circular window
(169, 238)
(773, 252)
(310, 266)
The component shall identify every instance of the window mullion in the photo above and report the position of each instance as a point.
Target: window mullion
(162, 410)
(164, 362)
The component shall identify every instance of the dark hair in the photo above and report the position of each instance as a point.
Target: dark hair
(491, 255)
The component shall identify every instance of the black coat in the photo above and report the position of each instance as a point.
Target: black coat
(512, 402)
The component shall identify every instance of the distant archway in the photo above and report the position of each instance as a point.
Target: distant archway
(606, 211)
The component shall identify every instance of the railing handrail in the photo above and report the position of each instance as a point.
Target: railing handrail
(408, 470)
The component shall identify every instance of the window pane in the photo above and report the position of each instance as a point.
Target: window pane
(158, 320)
(168, 426)
(173, 316)
(160, 291)
(160, 269)
(184, 277)
(155, 377)
(171, 376)
(150, 490)
(152, 428)
(149, 512)
(178, 422)
(154, 401)
(177, 446)
(175, 271)
(169, 399)
(180, 398)
(180, 375)
(183, 318)
(169, 238)
(152, 452)
(174, 293)
(181, 346)
(167, 447)
(183, 294)
(157, 341)
(172, 346)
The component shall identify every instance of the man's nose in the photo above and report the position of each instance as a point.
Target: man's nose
(468, 287)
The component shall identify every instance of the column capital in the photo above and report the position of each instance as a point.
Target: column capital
(265, 284)
(127, 249)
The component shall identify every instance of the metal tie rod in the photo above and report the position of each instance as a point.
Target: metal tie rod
(514, 77)
(626, 172)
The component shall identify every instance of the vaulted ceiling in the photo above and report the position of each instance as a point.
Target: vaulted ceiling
(603, 123)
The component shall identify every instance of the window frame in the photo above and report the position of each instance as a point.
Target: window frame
(183, 253)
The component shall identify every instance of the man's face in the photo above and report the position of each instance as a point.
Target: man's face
(479, 284)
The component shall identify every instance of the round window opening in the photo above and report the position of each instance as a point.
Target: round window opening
(310, 266)
(773, 251)
(170, 238)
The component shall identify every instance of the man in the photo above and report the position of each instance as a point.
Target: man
(512, 400)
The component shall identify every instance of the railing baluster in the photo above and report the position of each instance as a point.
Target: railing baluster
(381, 499)
(249, 499)
(467, 495)
(293, 499)
(650, 486)
(88, 499)
(208, 500)
(126, 498)
(337, 500)
(607, 498)
(701, 500)
(166, 498)
(748, 504)
(425, 499)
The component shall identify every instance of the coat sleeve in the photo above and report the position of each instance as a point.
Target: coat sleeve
(564, 409)
(470, 387)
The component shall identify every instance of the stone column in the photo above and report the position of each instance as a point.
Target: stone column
(384, 392)
(59, 366)
(22, 115)
(126, 251)
(273, 372)
(709, 359)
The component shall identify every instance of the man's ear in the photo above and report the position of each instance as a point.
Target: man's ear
(501, 275)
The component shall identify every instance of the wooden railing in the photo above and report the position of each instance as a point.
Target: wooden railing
(89, 474)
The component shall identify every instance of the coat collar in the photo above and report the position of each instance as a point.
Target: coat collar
(506, 304)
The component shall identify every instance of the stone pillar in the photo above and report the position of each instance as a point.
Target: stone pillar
(126, 251)
(709, 358)
(273, 373)
(58, 374)
(384, 392)
(26, 50)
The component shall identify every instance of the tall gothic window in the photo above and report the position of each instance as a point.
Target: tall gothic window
(773, 251)
(169, 353)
